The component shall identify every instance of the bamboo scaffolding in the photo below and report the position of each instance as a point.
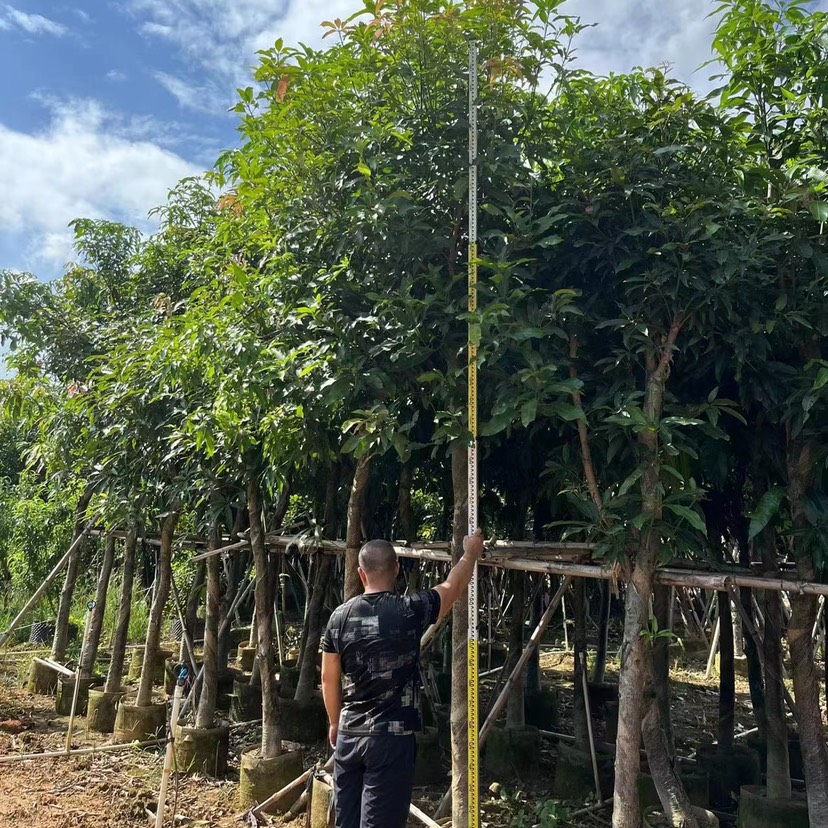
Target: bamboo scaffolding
(568, 560)
(232, 547)
(39, 592)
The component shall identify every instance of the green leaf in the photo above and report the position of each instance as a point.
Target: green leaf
(568, 412)
(765, 511)
(529, 412)
(628, 483)
(821, 378)
(688, 514)
(819, 210)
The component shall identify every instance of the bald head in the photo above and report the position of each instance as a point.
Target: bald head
(378, 562)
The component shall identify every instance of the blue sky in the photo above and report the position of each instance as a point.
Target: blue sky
(106, 104)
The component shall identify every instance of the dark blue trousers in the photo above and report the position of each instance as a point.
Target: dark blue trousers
(373, 777)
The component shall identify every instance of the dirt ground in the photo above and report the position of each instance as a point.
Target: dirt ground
(106, 790)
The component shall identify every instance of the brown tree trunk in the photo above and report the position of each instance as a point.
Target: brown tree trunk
(159, 602)
(800, 462)
(234, 568)
(265, 591)
(674, 800)
(459, 648)
(634, 667)
(353, 539)
(727, 674)
(307, 669)
(661, 665)
(580, 729)
(599, 668)
(776, 728)
(93, 638)
(119, 639)
(516, 708)
(61, 637)
(194, 599)
(206, 710)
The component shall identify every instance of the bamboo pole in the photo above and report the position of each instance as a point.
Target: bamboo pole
(592, 753)
(229, 548)
(47, 582)
(62, 754)
(185, 633)
(714, 647)
(760, 649)
(169, 755)
(76, 690)
(258, 810)
(53, 665)
(531, 646)
(669, 576)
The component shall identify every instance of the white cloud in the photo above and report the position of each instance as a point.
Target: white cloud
(11, 18)
(645, 33)
(86, 163)
(189, 95)
(221, 37)
(115, 76)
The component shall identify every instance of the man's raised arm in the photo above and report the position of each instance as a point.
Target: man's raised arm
(461, 573)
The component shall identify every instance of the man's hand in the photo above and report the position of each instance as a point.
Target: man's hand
(333, 732)
(473, 545)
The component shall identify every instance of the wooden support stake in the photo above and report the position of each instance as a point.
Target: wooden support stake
(760, 648)
(596, 776)
(47, 582)
(53, 665)
(531, 646)
(168, 756)
(76, 691)
(714, 648)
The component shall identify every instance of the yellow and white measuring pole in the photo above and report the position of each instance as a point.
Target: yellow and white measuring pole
(474, 340)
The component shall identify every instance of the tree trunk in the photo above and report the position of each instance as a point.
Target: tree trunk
(61, 637)
(307, 668)
(119, 639)
(90, 650)
(776, 728)
(159, 602)
(661, 665)
(533, 673)
(194, 599)
(459, 648)
(739, 527)
(580, 729)
(353, 540)
(800, 462)
(634, 668)
(599, 668)
(206, 711)
(265, 595)
(756, 680)
(674, 800)
(727, 675)
(516, 710)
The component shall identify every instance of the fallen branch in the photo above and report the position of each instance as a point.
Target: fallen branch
(62, 754)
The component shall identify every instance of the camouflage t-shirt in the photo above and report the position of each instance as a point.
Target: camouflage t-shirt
(377, 637)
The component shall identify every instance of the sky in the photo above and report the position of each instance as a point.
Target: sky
(106, 104)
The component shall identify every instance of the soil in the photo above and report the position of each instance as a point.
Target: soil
(121, 789)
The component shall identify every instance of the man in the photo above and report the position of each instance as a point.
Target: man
(370, 684)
